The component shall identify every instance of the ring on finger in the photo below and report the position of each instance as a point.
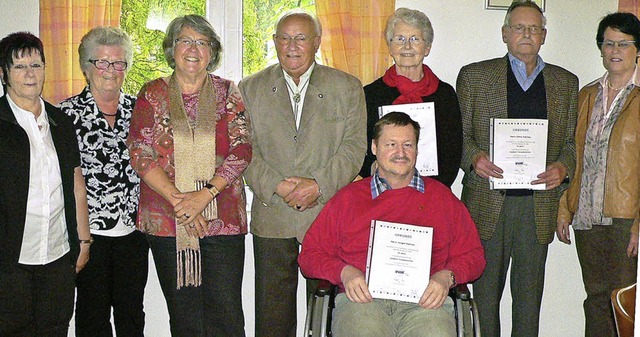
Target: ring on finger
(192, 226)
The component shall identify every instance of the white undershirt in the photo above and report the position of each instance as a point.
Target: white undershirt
(300, 88)
(45, 231)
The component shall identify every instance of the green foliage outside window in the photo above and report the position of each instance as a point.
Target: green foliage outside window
(146, 21)
(259, 18)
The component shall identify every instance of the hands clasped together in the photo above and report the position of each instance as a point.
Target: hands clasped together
(188, 211)
(299, 193)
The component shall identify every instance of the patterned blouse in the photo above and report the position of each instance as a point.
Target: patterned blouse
(151, 146)
(594, 167)
(112, 184)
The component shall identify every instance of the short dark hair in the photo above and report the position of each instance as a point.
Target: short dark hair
(626, 23)
(18, 45)
(395, 118)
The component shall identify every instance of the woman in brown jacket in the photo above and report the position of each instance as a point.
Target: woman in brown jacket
(603, 201)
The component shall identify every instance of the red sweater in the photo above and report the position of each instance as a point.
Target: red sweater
(340, 234)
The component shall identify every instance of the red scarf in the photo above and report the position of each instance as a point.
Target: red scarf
(411, 92)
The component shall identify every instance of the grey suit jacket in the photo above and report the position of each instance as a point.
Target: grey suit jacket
(329, 145)
(482, 91)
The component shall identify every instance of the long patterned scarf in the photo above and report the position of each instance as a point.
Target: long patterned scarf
(411, 92)
(194, 144)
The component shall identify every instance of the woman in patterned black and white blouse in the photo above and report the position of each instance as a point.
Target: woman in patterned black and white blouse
(116, 275)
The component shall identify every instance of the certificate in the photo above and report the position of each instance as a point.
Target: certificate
(398, 260)
(424, 114)
(519, 148)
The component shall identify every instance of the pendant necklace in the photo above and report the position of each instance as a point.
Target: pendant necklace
(296, 98)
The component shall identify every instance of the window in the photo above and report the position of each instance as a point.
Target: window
(258, 20)
(146, 21)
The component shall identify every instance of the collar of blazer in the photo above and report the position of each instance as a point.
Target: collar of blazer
(5, 111)
(312, 100)
(7, 114)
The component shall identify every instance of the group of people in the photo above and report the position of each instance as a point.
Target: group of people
(90, 186)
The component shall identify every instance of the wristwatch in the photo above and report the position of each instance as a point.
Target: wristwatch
(453, 279)
(86, 242)
(212, 189)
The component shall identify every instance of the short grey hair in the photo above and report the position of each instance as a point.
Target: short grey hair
(104, 36)
(413, 18)
(200, 25)
(523, 3)
(301, 12)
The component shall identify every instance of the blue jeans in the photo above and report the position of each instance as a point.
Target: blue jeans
(215, 307)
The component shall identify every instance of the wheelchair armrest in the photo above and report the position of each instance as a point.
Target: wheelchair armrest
(460, 291)
(324, 288)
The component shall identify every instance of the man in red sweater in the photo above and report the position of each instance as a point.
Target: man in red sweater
(335, 247)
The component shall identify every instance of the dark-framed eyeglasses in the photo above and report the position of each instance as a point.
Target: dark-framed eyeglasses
(401, 40)
(104, 64)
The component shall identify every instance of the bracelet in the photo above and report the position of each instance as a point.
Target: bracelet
(86, 242)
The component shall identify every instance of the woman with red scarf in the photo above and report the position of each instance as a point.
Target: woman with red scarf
(409, 35)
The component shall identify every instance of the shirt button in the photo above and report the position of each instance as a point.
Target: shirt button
(295, 138)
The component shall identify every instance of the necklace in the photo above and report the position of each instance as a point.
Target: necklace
(612, 88)
(109, 115)
(296, 97)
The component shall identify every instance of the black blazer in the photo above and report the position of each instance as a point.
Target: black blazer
(14, 178)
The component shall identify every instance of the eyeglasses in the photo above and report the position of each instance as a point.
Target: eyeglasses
(624, 44)
(520, 29)
(401, 40)
(188, 42)
(104, 64)
(299, 39)
(36, 66)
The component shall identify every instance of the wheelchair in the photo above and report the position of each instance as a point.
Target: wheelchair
(321, 304)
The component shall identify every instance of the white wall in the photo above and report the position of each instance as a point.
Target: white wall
(464, 32)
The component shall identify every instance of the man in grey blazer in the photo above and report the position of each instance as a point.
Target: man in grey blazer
(309, 139)
(515, 226)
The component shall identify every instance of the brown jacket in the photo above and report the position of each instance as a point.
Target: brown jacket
(622, 180)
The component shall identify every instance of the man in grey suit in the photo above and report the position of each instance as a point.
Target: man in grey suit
(515, 226)
(309, 140)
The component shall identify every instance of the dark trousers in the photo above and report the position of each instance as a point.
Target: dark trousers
(114, 277)
(215, 307)
(602, 252)
(276, 285)
(513, 241)
(37, 300)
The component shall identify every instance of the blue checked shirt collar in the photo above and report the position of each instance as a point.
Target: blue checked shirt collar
(379, 184)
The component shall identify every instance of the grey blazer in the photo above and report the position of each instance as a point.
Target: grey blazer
(329, 145)
(482, 91)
